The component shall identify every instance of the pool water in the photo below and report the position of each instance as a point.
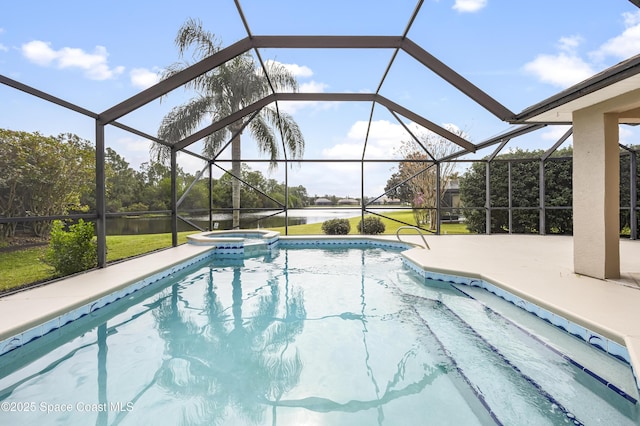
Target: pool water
(302, 337)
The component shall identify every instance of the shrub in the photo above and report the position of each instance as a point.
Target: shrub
(72, 251)
(336, 227)
(372, 225)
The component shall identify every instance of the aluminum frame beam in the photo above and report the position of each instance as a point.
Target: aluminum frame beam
(307, 42)
(335, 97)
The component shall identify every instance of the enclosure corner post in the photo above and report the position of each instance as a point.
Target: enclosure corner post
(633, 185)
(487, 201)
(362, 206)
(101, 204)
(542, 224)
(174, 198)
(210, 196)
(438, 198)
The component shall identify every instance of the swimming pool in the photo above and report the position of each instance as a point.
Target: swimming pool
(307, 336)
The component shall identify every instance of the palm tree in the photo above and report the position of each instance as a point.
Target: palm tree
(222, 91)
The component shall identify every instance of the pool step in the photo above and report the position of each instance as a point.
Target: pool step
(611, 371)
(562, 389)
(512, 397)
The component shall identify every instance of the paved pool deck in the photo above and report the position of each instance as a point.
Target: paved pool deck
(536, 268)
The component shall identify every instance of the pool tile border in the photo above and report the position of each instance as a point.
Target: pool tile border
(594, 339)
(222, 249)
(14, 342)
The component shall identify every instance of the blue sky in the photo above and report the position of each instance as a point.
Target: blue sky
(98, 54)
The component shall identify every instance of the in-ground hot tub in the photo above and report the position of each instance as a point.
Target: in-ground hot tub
(237, 242)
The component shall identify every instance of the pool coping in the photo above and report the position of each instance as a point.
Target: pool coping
(32, 313)
(541, 281)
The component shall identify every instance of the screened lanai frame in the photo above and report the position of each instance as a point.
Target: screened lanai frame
(254, 43)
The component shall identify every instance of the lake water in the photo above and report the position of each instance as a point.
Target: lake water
(159, 225)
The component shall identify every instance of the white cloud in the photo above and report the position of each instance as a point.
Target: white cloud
(38, 52)
(384, 138)
(626, 44)
(298, 70)
(312, 87)
(567, 67)
(554, 133)
(295, 69)
(308, 87)
(564, 68)
(93, 64)
(570, 44)
(143, 78)
(469, 5)
(561, 70)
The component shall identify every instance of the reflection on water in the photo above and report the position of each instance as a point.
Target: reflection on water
(295, 340)
(234, 359)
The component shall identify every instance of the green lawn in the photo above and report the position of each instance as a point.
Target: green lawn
(391, 226)
(23, 267)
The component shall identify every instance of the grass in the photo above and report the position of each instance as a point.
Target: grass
(124, 246)
(390, 225)
(22, 267)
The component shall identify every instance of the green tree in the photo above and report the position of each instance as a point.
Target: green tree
(42, 176)
(198, 196)
(258, 192)
(155, 180)
(525, 192)
(123, 185)
(222, 91)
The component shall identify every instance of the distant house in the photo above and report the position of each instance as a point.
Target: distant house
(348, 202)
(451, 201)
(386, 200)
(322, 202)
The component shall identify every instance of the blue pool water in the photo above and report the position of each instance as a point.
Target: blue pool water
(303, 337)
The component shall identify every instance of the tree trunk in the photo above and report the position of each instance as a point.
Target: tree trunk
(235, 183)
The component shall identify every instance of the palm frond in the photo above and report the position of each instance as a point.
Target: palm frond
(192, 35)
(179, 123)
(264, 136)
(281, 78)
(293, 138)
(184, 119)
(214, 142)
(227, 89)
(292, 135)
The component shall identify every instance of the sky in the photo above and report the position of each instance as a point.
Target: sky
(96, 55)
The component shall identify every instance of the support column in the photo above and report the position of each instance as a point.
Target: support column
(101, 200)
(596, 194)
(174, 198)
